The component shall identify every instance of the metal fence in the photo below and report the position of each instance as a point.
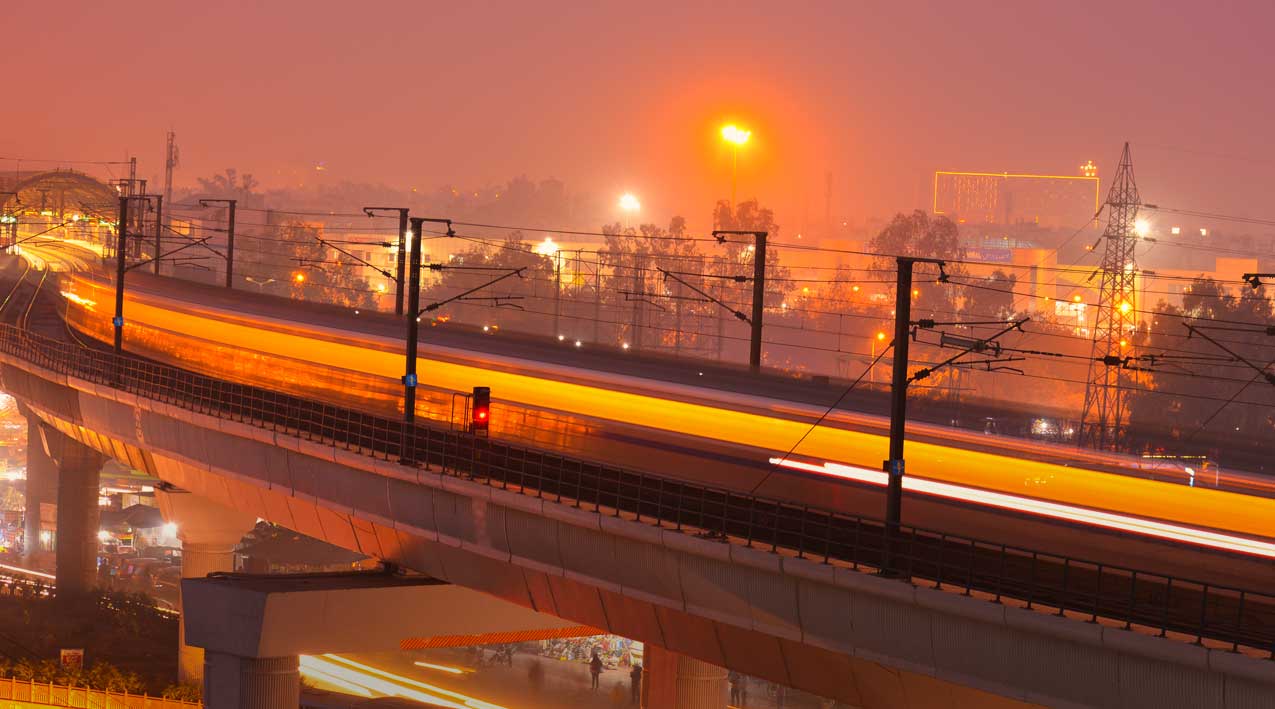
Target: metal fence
(56, 695)
(1044, 581)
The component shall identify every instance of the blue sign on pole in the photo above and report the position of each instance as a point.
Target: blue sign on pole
(118, 321)
(409, 380)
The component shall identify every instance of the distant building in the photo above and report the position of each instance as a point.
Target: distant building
(1009, 198)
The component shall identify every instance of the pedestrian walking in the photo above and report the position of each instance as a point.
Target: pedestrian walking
(635, 683)
(734, 679)
(595, 668)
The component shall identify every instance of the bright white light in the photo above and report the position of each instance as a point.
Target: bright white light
(561, 338)
(579, 343)
(103, 536)
(734, 134)
(629, 203)
(170, 529)
(546, 247)
(1204, 232)
(1056, 510)
(1175, 230)
(1142, 227)
(625, 346)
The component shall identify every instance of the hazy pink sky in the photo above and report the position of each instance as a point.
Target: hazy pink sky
(628, 96)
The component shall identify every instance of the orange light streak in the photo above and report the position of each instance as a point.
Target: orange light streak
(1069, 513)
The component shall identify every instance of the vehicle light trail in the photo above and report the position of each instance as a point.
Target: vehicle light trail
(388, 683)
(316, 669)
(1017, 503)
(440, 668)
(212, 340)
(29, 572)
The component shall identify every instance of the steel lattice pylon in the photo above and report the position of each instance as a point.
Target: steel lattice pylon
(1106, 388)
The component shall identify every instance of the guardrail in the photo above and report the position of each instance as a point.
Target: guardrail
(1050, 582)
(30, 693)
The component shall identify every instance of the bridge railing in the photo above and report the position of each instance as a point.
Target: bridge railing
(1006, 573)
(27, 693)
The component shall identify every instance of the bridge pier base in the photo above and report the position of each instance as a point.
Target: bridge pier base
(208, 533)
(232, 682)
(79, 484)
(680, 682)
(41, 488)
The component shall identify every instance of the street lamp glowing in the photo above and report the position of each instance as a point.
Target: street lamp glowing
(734, 134)
(1125, 307)
(1142, 227)
(880, 337)
(298, 277)
(629, 203)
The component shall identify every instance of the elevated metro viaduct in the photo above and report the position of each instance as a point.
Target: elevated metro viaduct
(710, 596)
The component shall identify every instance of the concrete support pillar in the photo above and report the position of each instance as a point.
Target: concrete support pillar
(41, 488)
(209, 533)
(79, 484)
(680, 682)
(232, 682)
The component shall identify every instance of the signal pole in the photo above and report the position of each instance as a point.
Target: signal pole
(230, 236)
(402, 251)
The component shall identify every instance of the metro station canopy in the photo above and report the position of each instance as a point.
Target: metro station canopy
(64, 194)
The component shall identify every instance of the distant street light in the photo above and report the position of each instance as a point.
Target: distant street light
(736, 136)
(261, 285)
(630, 205)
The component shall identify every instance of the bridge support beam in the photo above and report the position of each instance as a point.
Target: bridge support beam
(251, 682)
(41, 488)
(681, 682)
(209, 533)
(79, 484)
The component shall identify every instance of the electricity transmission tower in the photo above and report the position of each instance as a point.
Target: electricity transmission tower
(1106, 387)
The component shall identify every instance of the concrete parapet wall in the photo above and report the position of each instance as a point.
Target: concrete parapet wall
(826, 629)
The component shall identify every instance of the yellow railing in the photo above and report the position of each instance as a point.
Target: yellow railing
(21, 693)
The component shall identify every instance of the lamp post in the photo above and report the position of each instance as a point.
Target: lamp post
(736, 136)
(261, 285)
(872, 370)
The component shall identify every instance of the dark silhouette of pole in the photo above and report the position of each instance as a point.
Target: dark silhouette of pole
(759, 302)
(759, 290)
(413, 322)
(230, 237)
(898, 404)
(401, 261)
(121, 245)
(898, 395)
(414, 313)
(159, 227)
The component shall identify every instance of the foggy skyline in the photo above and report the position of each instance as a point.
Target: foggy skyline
(615, 98)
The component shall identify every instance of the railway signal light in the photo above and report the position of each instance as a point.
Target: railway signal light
(480, 413)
